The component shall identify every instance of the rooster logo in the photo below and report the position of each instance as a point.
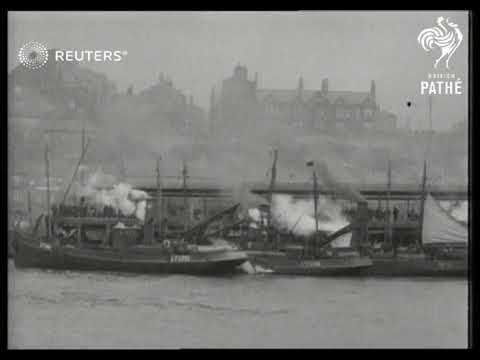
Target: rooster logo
(446, 37)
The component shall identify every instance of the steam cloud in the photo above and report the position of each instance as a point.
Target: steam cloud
(287, 212)
(254, 214)
(102, 190)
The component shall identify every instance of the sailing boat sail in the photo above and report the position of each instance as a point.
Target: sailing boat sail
(439, 227)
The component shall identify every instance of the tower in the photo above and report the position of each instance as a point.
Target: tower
(325, 86)
(373, 90)
(241, 72)
(300, 88)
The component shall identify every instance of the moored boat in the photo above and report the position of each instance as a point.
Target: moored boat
(195, 260)
(416, 265)
(82, 237)
(107, 244)
(445, 248)
(442, 251)
(282, 263)
(312, 258)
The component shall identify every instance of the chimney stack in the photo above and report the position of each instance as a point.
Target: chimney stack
(212, 97)
(373, 90)
(324, 86)
(300, 88)
(212, 110)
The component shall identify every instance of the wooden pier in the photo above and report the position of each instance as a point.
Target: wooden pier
(303, 190)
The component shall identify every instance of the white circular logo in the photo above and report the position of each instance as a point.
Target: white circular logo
(33, 55)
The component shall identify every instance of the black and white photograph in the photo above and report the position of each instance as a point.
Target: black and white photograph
(238, 179)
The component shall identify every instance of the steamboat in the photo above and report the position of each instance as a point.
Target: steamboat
(441, 249)
(310, 257)
(71, 237)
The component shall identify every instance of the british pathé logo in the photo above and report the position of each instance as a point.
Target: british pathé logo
(33, 55)
(444, 39)
(447, 37)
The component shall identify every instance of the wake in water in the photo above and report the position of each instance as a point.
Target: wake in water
(222, 308)
(250, 269)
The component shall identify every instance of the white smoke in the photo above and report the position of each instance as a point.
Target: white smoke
(254, 213)
(141, 208)
(299, 215)
(102, 190)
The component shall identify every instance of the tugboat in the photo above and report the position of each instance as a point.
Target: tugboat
(122, 248)
(315, 260)
(75, 240)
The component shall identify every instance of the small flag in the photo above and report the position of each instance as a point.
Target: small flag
(310, 163)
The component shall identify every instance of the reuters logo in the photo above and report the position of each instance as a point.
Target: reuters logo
(33, 55)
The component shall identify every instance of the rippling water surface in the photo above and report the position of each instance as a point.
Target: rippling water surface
(49, 309)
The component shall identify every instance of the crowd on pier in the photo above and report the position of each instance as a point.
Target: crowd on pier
(382, 214)
(85, 209)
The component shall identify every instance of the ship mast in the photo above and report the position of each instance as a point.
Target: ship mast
(82, 178)
(315, 206)
(185, 198)
(75, 172)
(315, 202)
(47, 173)
(424, 176)
(270, 195)
(422, 201)
(159, 201)
(123, 170)
(388, 230)
(29, 206)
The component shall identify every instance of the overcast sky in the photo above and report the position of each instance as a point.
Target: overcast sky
(199, 49)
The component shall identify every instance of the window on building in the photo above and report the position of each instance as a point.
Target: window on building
(367, 113)
(320, 118)
(341, 113)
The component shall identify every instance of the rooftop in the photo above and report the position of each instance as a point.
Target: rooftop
(289, 95)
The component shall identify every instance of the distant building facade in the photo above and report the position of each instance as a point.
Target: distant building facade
(58, 90)
(179, 113)
(242, 104)
(238, 106)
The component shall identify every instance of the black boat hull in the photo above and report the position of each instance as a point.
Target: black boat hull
(30, 254)
(417, 267)
(282, 265)
(378, 267)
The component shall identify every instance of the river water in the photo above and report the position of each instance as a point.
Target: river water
(49, 309)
